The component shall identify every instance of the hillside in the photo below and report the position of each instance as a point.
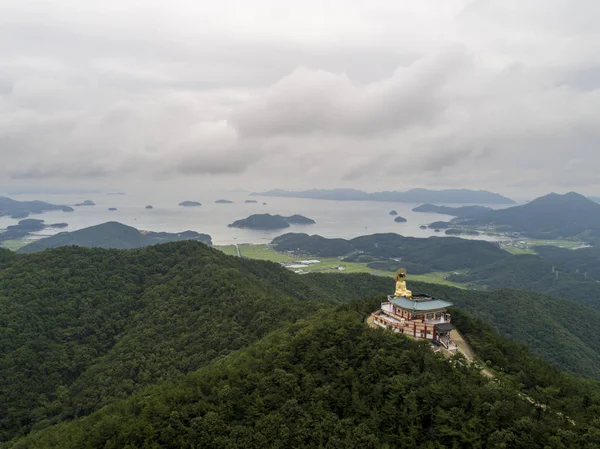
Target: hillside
(436, 253)
(462, 212)
(112, 235)
(80, 328)
(410, 196)
(583, 260)
(330, 381)
(549, 217)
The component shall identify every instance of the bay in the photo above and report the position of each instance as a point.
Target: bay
(335, 219)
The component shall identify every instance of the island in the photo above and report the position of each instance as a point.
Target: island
(223, 202)
(250, 201)
(190, 204)
(553, 216)
(86, 203)
(270, 222)
(393, 212)
(149, 207)
(437, 225)
(463, 211)
(112, 209)
(464, 196)
(112, 235)
(423, 227)
(22, 209)
(400, 219)
(25, 227)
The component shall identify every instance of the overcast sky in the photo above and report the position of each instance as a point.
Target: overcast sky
(495, 94)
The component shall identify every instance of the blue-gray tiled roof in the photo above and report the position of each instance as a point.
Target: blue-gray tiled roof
(422, 306)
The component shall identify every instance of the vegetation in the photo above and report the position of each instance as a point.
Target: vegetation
(332, 382)
(80, 328)
(438, 254)
(112, 235)
(99, 349)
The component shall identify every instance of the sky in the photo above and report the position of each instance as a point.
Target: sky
(376, 95)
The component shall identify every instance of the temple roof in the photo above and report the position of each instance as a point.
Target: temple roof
(422, 306)
(444, 327)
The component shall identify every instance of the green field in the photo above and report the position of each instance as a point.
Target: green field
(264, 252)
(228, 249)
(437, 277)
(326, 265)
(14, 245)
(529, 244)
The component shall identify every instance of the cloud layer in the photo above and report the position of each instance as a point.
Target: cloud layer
(487, 94)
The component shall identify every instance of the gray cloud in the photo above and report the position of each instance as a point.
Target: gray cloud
(485, 93)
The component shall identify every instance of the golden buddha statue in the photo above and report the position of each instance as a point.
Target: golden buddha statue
(401, 290)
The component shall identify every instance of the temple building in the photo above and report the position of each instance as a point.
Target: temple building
(418, 316)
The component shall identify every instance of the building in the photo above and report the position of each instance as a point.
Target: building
(418, 316)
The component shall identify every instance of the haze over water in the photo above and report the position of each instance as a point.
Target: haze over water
(341, 219)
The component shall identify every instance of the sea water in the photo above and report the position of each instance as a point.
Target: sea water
(341, 219)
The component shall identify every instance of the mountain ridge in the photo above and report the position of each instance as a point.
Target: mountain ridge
(416, 195)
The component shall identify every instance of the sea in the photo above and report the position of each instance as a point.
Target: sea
(334, 219)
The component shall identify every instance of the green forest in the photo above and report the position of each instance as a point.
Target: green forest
(179, 345)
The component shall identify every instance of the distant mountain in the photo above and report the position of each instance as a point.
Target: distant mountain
(549, 217)
(410, 196)
(86, 203)
(463, 211)
(268, 221)
(223, 202)
(112, 235)
(22, 209)
(400, 219)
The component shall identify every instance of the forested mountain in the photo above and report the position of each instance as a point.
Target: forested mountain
(482, 264)
(549, 217)
(462, 212)
(410, 196)
(434, 253)
(330, 381)
(581, 261)
(112, 235)
(81, 329)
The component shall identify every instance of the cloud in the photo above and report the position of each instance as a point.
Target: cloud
(485, 93)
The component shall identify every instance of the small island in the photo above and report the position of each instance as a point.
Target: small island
(86, 203)
(112, 209)
(149, 206)
(190, 204)
(223, 202)
(423, 227)
(400, 219)
(270, 222)
(250, 201)
(393, 212)
(437, 225)
(25, 227)
(264, 204)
